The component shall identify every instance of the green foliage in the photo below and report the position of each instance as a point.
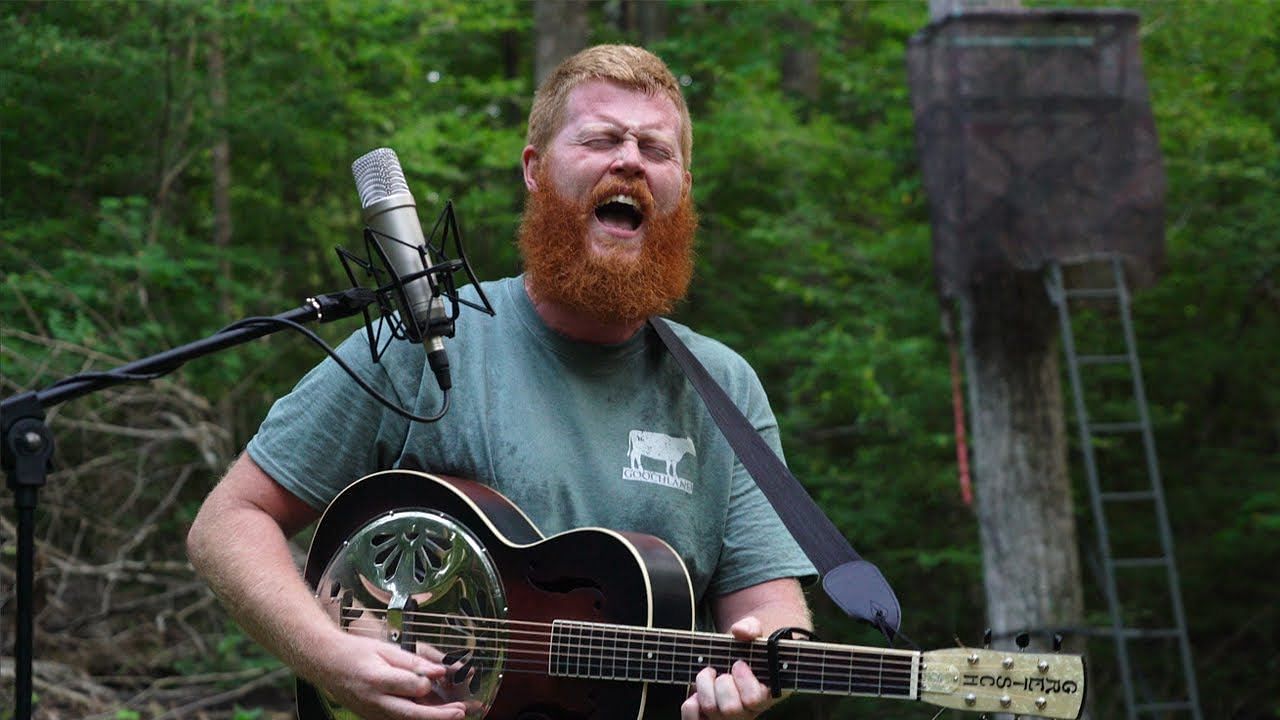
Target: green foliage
(814, 256)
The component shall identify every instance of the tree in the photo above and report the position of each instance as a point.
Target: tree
(561, 29)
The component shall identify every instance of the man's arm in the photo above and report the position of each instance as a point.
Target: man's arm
(239, 544)
(747, 614)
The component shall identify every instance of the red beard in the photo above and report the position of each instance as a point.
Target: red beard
(561, 268)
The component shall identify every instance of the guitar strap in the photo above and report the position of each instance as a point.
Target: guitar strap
(856, 585)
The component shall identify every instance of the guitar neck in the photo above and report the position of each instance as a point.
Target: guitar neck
(619, 652)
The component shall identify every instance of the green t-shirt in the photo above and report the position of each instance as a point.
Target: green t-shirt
(576, 434)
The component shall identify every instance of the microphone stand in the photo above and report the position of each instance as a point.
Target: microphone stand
(28, 445)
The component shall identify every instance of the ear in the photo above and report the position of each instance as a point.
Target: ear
(529, 161)
(688, 183)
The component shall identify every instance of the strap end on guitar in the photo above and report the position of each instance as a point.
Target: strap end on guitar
(863, 593)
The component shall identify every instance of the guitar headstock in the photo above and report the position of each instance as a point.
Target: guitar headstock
(1047, 685)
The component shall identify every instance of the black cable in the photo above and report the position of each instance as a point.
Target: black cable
(118, 377)
(112, 375)
(251, 321)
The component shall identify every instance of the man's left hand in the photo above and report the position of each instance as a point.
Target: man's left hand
(736, 695)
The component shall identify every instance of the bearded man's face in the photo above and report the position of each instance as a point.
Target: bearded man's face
(609, 286)
(609, 222)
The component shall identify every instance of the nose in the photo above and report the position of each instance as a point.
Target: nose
(627, 161)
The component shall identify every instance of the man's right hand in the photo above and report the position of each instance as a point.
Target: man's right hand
(238, 544)
(379, 681)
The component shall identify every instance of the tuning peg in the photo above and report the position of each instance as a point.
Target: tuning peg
(986, 639)
(1057, 642)
(1023, 640)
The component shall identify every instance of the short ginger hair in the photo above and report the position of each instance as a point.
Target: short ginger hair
(627, 65)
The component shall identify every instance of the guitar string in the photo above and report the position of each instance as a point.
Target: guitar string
(707, 643)
(539, 661)
(538, 664)
(676, 639)
(830, 671)
(815, 670)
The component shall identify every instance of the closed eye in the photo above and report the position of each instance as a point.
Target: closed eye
(601, 143)
(657, 152)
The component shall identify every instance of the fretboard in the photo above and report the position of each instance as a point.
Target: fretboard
(620, 652)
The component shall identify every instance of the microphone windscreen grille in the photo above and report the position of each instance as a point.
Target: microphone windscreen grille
(378, 175)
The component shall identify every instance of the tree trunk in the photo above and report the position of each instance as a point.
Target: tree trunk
(643, 21)
(222, 228)
(221, 161)
(560, 30)
(1022, 490)
(1031, 566)
(800, 59)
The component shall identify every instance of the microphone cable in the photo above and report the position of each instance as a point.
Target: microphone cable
(120, 377)
(333, 354)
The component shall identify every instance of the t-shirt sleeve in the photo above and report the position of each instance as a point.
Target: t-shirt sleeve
(328, 432)
(757, 546)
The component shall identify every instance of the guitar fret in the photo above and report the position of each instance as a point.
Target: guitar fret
(705, 656)
(822, 682)
(626, 670)
(649, 665)
(609, 647)
(726, 654)
(849, 672)
(595, 658)
(671, 661)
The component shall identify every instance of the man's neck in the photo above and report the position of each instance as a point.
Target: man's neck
(578, 326)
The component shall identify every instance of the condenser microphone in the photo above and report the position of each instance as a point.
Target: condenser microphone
(392, 215)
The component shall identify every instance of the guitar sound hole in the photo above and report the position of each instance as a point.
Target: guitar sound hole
(383, 553)
(392, 562)
(419, 566)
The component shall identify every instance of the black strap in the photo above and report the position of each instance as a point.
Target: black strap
(856, 585)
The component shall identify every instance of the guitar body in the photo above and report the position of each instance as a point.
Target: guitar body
(400, 551)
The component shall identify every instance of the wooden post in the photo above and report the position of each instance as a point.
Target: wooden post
(1009, 335)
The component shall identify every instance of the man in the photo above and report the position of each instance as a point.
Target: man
(551, 400)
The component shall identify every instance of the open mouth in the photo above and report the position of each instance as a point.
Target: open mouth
(620, 212)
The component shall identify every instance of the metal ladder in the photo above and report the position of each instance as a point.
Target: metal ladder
(1114, 495)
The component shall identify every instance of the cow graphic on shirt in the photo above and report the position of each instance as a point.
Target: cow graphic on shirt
(664, 449)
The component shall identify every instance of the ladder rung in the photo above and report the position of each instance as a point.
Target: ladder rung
(1094, 293)
(1118, 427)
(1130, 496)
(1140, 634)
(1162, 706)
(1102, 359)
(1140, 562)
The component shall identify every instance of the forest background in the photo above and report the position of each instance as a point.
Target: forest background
(166, 168)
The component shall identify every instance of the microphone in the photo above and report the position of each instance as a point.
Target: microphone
(392, 215)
